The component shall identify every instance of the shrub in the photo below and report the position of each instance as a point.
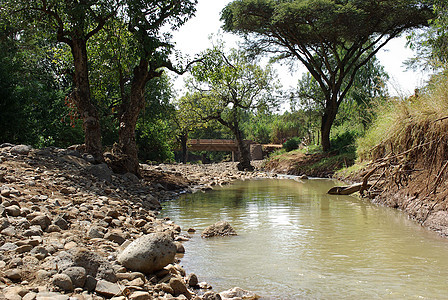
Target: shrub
(344, 142)
(291, 144)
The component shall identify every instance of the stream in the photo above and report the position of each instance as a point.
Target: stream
(297, 242)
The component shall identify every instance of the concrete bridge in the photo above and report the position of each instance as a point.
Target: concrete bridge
(256, 150)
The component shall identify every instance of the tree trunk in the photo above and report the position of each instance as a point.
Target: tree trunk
(243, 151)
(82, 98)
(327, 122)
(126, 151)
(184, 140)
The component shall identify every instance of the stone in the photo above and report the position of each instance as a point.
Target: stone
(130, 276)
(192, 280)
(140, 295)
(114, 236)
(179, 287)
(51, 296)
(101, 171)
(90, 284)
(13, 211)
(53, 228)
(24, 248)
(148, 253)
(221, 228)
(63, 282)
(94, 264)
(42, 220)
(238, 293)
(13, 274)
(211, 296)
(137, 282)
(39, 252)
(77, 275)
(179, 247)
(43, 276)
(34, 231)
(108, 289)
(61, 222)
(95, 232)
(30, 296)
(68, 190)
(21, 149)
(10, 296)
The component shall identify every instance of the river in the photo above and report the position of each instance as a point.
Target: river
(297, 242)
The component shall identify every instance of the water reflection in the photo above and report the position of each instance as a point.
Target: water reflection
(295, 241)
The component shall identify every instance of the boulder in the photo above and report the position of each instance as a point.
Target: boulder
(21, 149)
(221, 228)
(101, 171)
(148, 253)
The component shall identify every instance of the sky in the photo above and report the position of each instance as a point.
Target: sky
(193, 38)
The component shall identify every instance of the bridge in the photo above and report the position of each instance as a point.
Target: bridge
(256, 150)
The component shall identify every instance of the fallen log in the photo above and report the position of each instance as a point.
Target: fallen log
(348, 190)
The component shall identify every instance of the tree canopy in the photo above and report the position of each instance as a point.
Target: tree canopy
(333, 39)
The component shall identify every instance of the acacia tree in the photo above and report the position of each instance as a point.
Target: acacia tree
(332, 38)
(145, 20)
(368, 84)
(74, 24)
(224, 86)
(432, 44)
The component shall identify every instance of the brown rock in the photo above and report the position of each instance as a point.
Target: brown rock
(179, 287)
(140, 295)
(108, 289)
(13, 274)
(221, 228)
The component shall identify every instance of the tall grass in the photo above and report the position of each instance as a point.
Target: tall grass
(414, 123)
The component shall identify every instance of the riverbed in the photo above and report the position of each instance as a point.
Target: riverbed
(296, 242)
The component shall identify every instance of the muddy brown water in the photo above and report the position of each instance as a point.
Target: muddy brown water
(296, 242)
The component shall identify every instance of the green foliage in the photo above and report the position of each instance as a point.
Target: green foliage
(333, 39)
(32, 107)
(344, 142)
(223, 86)
(431, 45)
(291, 144)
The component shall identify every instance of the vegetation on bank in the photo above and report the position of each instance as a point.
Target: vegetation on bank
(98, 74)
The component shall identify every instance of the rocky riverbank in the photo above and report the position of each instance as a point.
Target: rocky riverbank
(64, 223)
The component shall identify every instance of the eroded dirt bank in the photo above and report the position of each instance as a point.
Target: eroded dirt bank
(64, 222)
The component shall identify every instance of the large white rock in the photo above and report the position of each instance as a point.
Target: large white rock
(148, 253)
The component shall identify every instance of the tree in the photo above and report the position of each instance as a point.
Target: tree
(32, 107)
(186, 121)
(368, 84)
(432, 44)
(223, 86)
(74, 23)
(145, 20)
(330, 37)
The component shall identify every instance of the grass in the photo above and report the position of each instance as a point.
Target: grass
(328, 165)
(404, 124)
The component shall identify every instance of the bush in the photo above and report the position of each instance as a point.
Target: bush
(291, 144)
(344, 142)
